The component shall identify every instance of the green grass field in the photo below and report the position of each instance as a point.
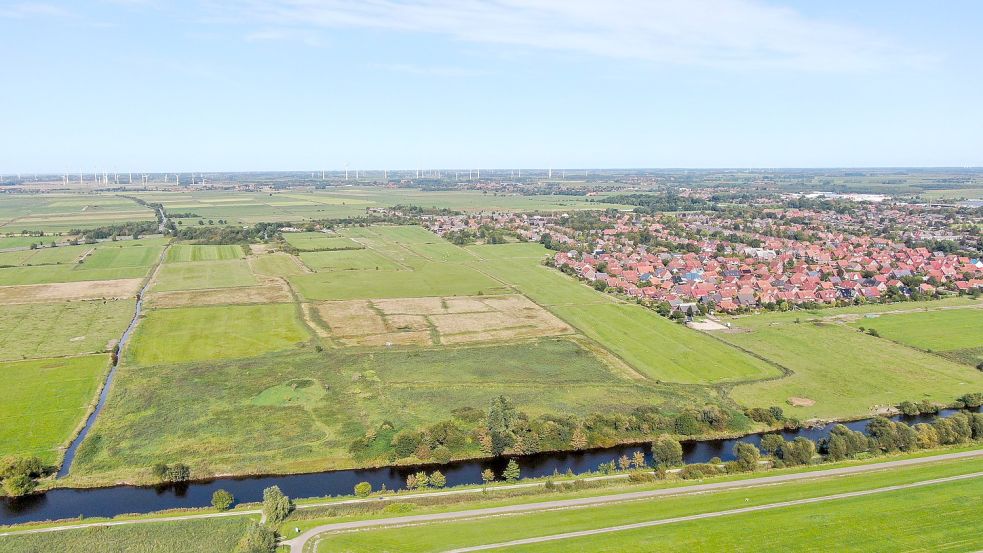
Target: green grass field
(846, 373)
(905, 517)
(57, 329)
(430, 280)
(48, 274)
(190, 536)
(43, 401)
(307, 241)
(108, 257)
(195, 252)
(197, 275)
(192, 412)
(347, 260)
(220, 332)
(275, 264)
(938, 330)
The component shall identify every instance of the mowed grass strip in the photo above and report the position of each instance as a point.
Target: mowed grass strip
(181, 536)
(221, 332)
(120, 256)
(940, 330)
(661, 349)
(306, 241)
(197, 275)
(844, 372)
(43, 400)
(197, 252)
(347, 260)
(41, 330)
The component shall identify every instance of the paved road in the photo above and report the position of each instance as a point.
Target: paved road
(647, 524)
(307, 540)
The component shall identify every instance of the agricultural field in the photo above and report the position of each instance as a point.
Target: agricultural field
(103, 261)
(838, 371)
(189, 536)
(60, 213)
(215, 332)
(39, 330)
(193, 252)
(313, 241)
(196, 275)
(42, 401)
(300, 410)
(956, 334)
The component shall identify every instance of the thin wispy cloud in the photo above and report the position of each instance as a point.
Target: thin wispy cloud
(721, 33)
(24, 10)
(429, 70)
(303, 36)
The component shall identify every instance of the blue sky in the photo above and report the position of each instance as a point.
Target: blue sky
(212, 85)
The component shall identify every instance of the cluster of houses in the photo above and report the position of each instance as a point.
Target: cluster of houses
(790, 256)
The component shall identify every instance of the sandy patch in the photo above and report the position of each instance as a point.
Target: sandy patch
(62, 291)
(801, 402)
(76, 339)
(706, 325)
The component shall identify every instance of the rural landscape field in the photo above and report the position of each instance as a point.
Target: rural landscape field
(336, 276)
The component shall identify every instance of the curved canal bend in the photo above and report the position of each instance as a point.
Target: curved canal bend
(107, 502)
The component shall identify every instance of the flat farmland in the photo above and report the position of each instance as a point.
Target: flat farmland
(194, 252)
(216, 332)
(65, 328)
(196, 275)
(59, 213)
(42, 402)
(179, 536)
(310, 241)
(431, 280)
(109, 257)
(347, 260)
(938, 330)
(277, 264)
(840, 372)
(433, 321)
(661, 349)
(245, 415)
(68, 291)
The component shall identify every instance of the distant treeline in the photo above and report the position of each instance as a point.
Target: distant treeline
(655, 203)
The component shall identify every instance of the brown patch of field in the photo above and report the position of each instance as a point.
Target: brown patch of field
(311, 320)
(258, 249)
(353, 318)
(411, 306)
(454, 320)
(801, 402)
(392, 338)
(64, 291)
(273, 292)
(416, 323)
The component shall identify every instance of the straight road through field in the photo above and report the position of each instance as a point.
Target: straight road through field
(661, 522)
(308, 540)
